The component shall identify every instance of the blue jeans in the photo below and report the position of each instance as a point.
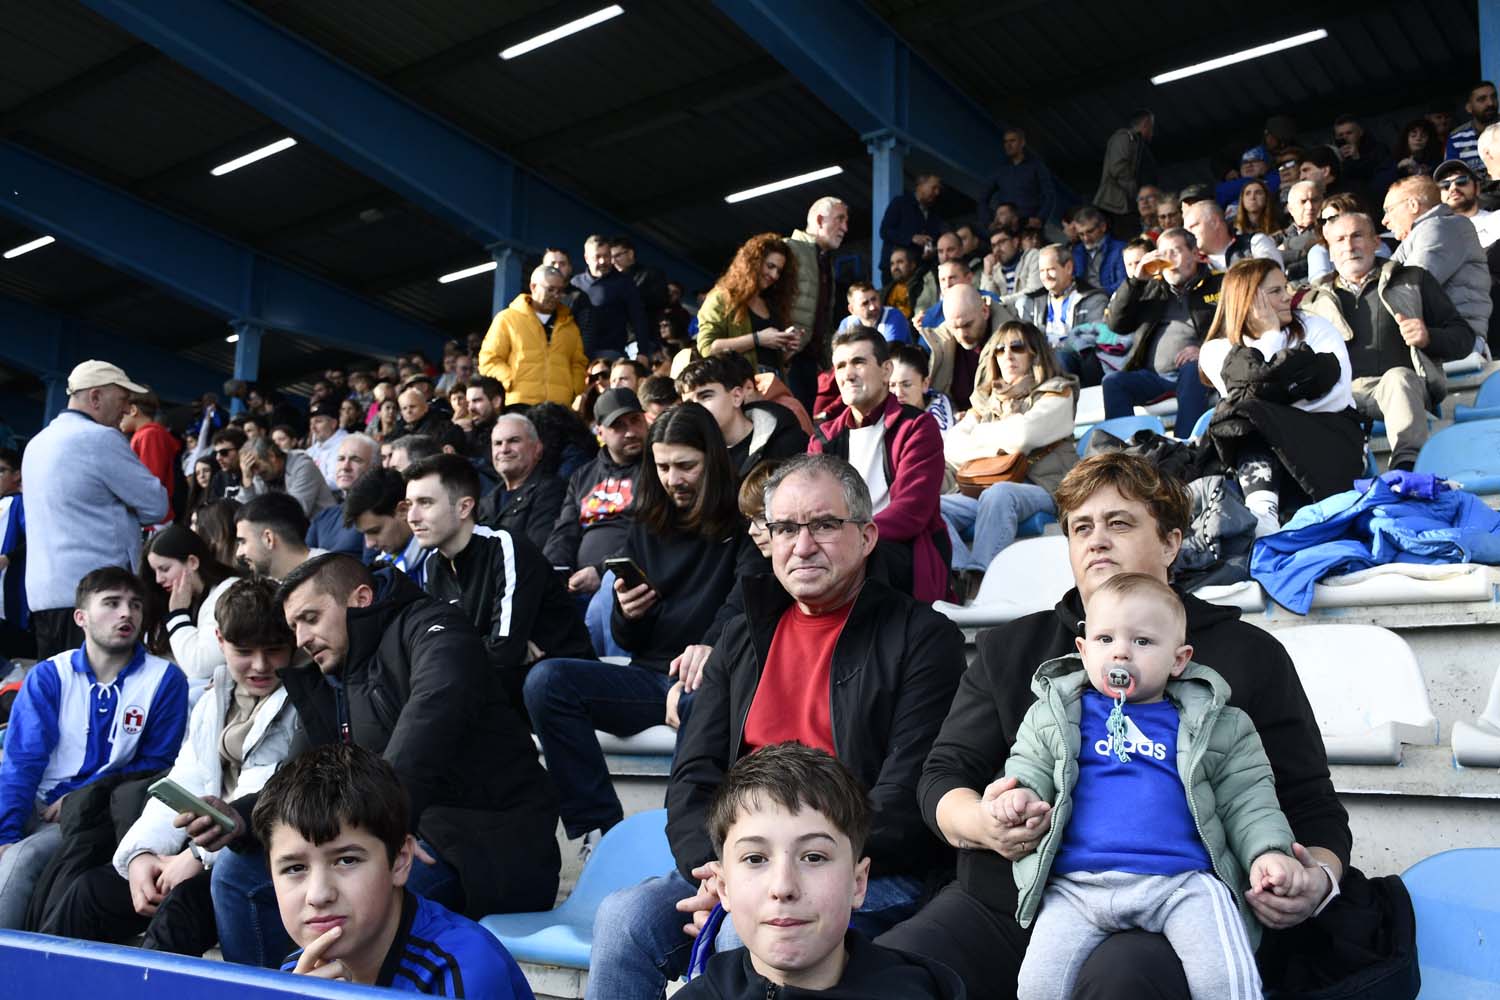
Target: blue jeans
(569, 699)
(980, 528)
(1124, 391)
(250, 930)
(639, 946)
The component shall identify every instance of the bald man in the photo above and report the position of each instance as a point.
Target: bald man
(970, 320)
(1444, 245)
(534, 346)
(419, 416)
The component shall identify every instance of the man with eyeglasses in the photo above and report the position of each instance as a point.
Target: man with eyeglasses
(1458, 186)
(1007, 269)
(534, 347)
(1444, 245)
(1096, 257)
(824, 654)
(226, 448)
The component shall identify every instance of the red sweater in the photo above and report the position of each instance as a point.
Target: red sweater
(157, 449)
(912, 513)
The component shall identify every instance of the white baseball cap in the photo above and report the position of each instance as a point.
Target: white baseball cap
(94, 374)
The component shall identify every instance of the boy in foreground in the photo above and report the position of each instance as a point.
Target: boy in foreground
(334, 822)
(1115, 737)
(789, 825)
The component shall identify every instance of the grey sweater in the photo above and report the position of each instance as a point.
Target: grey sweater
(87, 496)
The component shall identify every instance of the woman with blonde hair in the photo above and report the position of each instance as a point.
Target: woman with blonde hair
(747, 310)
(1023, 404)
(1286, 427)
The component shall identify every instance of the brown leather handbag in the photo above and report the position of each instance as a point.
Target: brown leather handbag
(978, 474)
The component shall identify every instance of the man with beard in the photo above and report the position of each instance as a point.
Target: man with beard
(486, 398)
(1458, 186)
(269, 532)
(1463, 142)
(105, 709)
(356, 455)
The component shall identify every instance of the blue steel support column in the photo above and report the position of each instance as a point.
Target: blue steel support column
(509, 281)
(888, 154)
(1489, 39)
(246, 357)
(57, 396)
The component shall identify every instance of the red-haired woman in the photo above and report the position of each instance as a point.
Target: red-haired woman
(747, 309)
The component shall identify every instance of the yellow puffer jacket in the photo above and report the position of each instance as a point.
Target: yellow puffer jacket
(533, 370)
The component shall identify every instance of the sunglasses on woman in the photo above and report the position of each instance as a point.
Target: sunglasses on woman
(1014, 347)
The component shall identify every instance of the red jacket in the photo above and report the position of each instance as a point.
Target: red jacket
(914, 464)
(157, 449)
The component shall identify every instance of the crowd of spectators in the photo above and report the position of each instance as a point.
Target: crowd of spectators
(607, 512)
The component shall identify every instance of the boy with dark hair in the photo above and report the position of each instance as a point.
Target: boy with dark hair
(335, 825)
(375, 506)
(239, 732)
(788, 826)
(106, 709)
(657, 393)
(1152, 736)
(753, 432)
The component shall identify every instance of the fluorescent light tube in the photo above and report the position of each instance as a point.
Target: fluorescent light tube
(35, 244)
(782, 185)
(1236, 57)
(467, 272)
(251, 157)
(563, 31)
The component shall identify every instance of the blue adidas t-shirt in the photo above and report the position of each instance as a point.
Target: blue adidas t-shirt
(439, 953)
(1130, 817)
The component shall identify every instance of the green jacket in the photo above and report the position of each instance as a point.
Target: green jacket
(803, 310)
(717, 321)
(1219, 757)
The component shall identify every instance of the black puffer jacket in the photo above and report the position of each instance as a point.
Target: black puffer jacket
(873, 973)
(417, 688)
(996, 692)
(894, 671)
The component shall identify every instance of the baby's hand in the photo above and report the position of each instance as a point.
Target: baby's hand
(1279, 874)
(1010, 807)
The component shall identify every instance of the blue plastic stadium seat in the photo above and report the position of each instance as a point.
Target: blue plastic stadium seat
(632, 852)
(1466, 453)
(1201, 427)
(1123, 428)
(1486, 403)
(1035, 524)
(1456, 895)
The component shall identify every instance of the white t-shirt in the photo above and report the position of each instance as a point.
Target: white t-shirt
(1487, 225)
(867, 454)
(1321, 336)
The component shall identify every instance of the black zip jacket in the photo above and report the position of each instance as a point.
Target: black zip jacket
(514, 599)
(895, 669)
(530, 510)
(694, 578)
(996, 692)
(1138, 305)
(873, 973)
(417, 688)
(591, 525)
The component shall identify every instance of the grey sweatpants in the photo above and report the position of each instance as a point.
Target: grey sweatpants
(1195, 911)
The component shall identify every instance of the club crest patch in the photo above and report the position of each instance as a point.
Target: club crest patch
(133, 721)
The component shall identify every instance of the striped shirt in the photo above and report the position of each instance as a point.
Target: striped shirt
(438, 953)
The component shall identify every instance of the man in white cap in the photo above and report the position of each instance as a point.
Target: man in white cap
(88, 496)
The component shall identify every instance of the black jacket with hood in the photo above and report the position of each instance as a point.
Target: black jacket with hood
(895, 668)
(775, 434)
(873, 973)
(417, 688)
(996, 692)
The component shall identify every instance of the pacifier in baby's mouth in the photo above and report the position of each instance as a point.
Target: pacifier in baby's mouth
(1123, 684)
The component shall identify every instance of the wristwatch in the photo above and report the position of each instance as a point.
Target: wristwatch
(1333, 888)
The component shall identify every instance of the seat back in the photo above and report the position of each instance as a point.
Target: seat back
(1477, 743)
(1489, 391)
(1456, 896)
(1123, 428)
(1032, 573)
(1366, 689)
(1468, 453)
(1201, 427)
(636, 848)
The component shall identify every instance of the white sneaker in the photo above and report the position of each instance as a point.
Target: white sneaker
(588, 843)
